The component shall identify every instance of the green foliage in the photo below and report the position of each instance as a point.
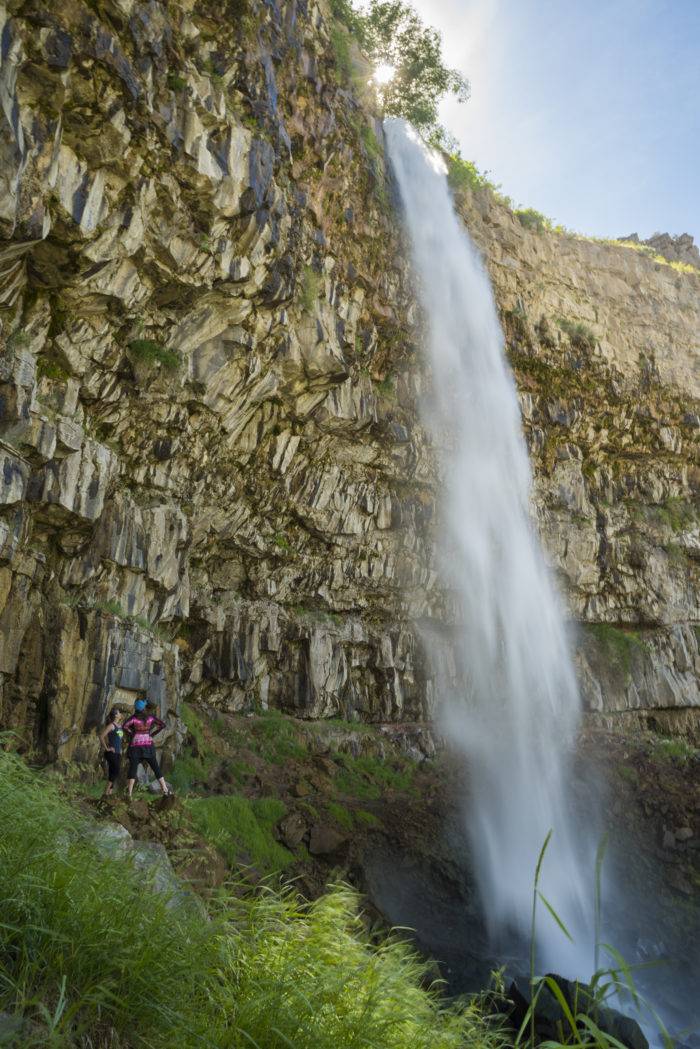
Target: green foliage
(678, 514)
(533, 220)
(148, 352)
(112, 608)
(84, 937)
(281, 541)
(585, 1011)
(273, 736)
(51, 368)
(242, 830)
(618, 646)
(340, 42)
(309, 289)
(17, 340)
(176, 83)
(391, 32)
(674, 750)
(368, 777)
(195, 763)
(87, 946)
(579, 333)
(352, 994)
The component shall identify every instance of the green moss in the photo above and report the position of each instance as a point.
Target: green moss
(17, 340)
(148, 352)
(629, 774)
(618, 646)
(309, 289)
(176, 83)
(51, 368)
(340, 42)
(242, 829)
(281, 541)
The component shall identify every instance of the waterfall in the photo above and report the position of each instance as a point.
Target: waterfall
(515, 717)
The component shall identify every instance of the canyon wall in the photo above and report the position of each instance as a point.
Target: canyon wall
(214, 484)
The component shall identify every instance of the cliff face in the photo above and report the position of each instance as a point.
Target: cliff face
(604, 345)
(214, 481)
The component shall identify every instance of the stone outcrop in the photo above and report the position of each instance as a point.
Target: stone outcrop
(676, 249)
(214, 483)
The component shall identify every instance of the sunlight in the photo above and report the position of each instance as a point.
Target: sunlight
(384, 73)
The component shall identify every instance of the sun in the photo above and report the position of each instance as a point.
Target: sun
(383, 73)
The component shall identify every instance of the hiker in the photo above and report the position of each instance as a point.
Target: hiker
(111, 739)
(142, 727)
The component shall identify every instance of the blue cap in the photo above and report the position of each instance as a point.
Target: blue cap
(140, 704)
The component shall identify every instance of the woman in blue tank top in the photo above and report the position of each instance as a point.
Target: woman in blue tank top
(111, 739)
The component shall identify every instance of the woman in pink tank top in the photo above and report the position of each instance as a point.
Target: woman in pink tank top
(141, 727)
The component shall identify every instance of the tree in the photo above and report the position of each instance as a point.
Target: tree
(390, 32)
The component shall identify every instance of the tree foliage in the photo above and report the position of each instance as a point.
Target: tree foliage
(390, 32)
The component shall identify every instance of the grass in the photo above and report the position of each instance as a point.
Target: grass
(150, 353)
(579, 333)
(673, 750)
(368, 777)
(342, 815)
(87, 945)
(242, 829)
(273, 736)
(618, 646)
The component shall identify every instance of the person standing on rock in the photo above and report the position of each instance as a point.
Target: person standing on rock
(142, 727)
(111, 739)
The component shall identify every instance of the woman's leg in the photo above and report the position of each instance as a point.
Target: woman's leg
(152, 760)
(113, 762)
(134, 761)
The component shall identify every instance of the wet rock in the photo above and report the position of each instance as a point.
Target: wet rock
(292, 830)
(325, 840)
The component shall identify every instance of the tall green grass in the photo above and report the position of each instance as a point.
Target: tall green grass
(94, 957)
(242, 829)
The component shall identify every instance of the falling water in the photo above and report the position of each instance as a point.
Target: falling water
(516, 716)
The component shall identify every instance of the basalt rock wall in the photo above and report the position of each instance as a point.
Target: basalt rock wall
(214, 482)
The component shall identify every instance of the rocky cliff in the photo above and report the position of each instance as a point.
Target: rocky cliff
(214, 479)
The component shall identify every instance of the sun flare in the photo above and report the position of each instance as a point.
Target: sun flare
(384, 73)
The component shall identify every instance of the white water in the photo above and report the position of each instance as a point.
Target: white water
(516, 720)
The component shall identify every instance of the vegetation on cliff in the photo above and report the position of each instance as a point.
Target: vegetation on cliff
(92, 954)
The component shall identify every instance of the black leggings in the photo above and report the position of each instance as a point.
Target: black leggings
(146, 754)
(113, 765)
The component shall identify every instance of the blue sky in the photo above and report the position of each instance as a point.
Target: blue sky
(588, 110)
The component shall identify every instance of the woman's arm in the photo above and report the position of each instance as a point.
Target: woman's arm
(159, 725)
(128, 727)
(103, 736)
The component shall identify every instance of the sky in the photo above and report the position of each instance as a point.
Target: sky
(588, 110)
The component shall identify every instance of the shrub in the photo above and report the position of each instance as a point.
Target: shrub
(579, 333)
(96, 956)
(533, 220)
(148, 352)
